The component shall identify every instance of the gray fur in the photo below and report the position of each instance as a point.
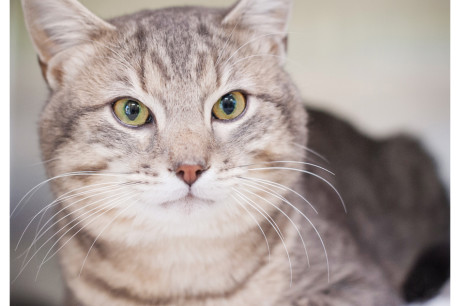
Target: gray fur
(178, 62)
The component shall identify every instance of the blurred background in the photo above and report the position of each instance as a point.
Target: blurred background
(383, 65)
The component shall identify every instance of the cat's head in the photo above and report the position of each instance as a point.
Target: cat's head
(157, 117)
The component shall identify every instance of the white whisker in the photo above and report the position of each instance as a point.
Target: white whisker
(36, 240)
(280, 210)
(308, 220)
(32, 191)
(55, 202)
(311, 151)
(256, 207)
(41, 234)
(250, 41)
(221, 52)
(231, 67)
(255, 220)
(282, 187)
(263, 210)
(105, 227)
(110, 205)
(64, 197)
(36, 252)
(43, 162)
(307, 172)
(290, 161)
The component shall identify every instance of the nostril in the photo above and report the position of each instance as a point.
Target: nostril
(180, 174)
(189, 173)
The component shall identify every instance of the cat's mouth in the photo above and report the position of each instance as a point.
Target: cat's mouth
(188, 201)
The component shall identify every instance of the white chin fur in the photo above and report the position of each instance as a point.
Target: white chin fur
(174, 209)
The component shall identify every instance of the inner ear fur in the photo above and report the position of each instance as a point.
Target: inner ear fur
(58, 25)
(266, 17)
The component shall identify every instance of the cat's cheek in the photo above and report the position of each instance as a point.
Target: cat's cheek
(222, 131)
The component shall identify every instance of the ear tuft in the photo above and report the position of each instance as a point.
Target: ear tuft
(265, 16)
(56, 25)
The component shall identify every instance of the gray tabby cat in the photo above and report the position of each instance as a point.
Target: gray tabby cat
(179, 159)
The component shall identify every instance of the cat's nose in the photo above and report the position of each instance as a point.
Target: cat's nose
(189, 173)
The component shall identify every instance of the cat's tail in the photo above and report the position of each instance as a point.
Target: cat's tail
(428, 275)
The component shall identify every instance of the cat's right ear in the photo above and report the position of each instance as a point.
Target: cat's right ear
(58, 25)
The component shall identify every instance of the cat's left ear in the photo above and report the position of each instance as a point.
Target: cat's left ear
(267, 17)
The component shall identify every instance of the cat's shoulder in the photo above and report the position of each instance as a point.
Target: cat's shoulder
(329, 133)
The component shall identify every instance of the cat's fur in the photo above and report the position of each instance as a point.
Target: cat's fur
(149, 245)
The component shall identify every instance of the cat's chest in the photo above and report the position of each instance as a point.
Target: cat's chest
(189, 272)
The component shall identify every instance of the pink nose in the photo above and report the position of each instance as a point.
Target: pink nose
(189, 173)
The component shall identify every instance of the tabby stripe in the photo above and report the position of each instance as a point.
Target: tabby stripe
(125, 294)
(84, 238)
(162, 67)
(142, 45)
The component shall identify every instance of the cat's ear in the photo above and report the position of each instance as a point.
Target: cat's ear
(57, 25)
(268, 17)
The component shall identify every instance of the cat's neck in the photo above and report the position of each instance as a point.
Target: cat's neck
(188, 269)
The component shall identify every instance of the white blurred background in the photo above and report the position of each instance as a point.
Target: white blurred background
(381, 64)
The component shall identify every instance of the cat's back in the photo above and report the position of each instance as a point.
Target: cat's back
(397, 206)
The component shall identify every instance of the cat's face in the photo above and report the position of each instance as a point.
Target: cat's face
(175, 64)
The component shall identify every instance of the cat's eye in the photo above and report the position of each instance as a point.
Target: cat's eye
(229, 106)
(131, 112)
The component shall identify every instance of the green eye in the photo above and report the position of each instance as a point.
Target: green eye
(229, 106)
(131, 112)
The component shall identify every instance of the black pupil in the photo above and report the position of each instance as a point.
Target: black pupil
(132, 110)
(228, 104)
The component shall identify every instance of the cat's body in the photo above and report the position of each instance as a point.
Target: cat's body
(370, 249)
(160, 237)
